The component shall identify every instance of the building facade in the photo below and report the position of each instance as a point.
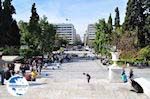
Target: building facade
(90, 34)
(66, 31)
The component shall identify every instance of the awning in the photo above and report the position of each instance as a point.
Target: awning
(11, 58)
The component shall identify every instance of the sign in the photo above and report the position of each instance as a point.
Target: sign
(17, 85)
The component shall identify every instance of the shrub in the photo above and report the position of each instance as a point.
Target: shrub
(27, 53)
(144, 53)
(10, 50)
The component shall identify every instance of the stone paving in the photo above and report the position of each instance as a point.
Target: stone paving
(69, 83)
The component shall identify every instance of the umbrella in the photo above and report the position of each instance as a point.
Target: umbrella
(11, 58)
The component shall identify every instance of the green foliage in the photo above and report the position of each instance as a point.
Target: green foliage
(60, 42)
(128, 54)
(144, 53)
(9, 31)
(117, 18)
(137, 11)
(110, 26)
(34, 28)
(38, 35)
(77, 42)
(116, 36)
(10, 50)
(25, 35)
(134, 15)
(102, 38)
(47, 35)
(147, 29)
(130, 37)
(28, 53)
(90, 43)
(128, 41)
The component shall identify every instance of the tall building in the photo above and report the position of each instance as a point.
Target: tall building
(78, 38)
(66, 31)
(90, 34)
(91, 30)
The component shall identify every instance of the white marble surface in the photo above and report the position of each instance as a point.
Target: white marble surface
(69, 83)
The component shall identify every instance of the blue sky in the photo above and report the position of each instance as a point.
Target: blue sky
(79, 12)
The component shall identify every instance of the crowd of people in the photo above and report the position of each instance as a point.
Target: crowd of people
(7, 70)
(33, 66)
(60, 57)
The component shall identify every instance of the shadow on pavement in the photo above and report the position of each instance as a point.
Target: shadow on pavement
(36, 84)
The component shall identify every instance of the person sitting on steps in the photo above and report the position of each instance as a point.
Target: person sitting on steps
(33, 75)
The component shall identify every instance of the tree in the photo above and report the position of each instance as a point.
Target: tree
(110, 26)
(59, 42)
(134, 15)
(30, 35)
(147, 30)
(77, 40)
(144, 53)
(117, 18)
(1, 30)
(134, 20)
(25, 35)
(34, 28)
(102, 38)
(47, 36)
(116, 36)
(9, 29)
(146, 7)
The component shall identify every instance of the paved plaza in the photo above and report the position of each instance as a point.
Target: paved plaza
(68, 82)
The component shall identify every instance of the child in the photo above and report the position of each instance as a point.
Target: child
(124, 77)
(33, 75)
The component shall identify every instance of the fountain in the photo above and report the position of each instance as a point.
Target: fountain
(114, 69)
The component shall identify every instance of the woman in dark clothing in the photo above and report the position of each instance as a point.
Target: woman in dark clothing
(131, 74)
(23, 69)
(11, 68)
(7, 74)
(2, 73)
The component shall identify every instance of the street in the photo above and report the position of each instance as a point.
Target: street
(68, 82)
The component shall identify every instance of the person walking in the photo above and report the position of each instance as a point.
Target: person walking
(88, 77)
(131, 74)
(39, 65)
(23, 69)
(34, 65)
(2, 73)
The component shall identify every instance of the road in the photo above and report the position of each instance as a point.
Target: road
(68, 82)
